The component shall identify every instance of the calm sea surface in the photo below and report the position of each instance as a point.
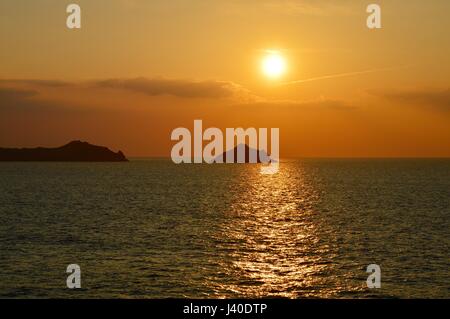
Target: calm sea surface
(153, 229)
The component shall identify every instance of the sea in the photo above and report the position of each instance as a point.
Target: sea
(150, 228)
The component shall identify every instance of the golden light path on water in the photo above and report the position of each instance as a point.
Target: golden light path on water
(152, 229)
(270, 243)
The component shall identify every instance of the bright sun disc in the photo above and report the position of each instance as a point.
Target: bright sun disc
(273, 65)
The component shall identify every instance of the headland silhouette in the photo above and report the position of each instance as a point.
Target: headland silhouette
(75, 151)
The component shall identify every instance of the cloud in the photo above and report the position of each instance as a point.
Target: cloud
(36, 82)
(180, 88)
(26, 94)
(435, 98)
(317, 104)
(12, 94)
(17, 99)
(25, 100)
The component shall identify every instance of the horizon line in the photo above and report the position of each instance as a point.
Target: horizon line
(319, 157)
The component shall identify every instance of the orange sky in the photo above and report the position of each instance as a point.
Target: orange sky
(138, 69)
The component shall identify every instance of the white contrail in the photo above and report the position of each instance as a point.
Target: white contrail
(339, 75)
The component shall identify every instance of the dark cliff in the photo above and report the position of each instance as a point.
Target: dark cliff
(75, 151)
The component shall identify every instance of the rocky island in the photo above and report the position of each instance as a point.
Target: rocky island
(262, 157)
(75, 151)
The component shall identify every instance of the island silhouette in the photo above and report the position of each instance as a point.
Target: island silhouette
(75, 151)
(261, 157)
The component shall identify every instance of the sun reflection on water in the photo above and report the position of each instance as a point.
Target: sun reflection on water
(268, 238)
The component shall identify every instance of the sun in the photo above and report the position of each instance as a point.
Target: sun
(273, 64)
